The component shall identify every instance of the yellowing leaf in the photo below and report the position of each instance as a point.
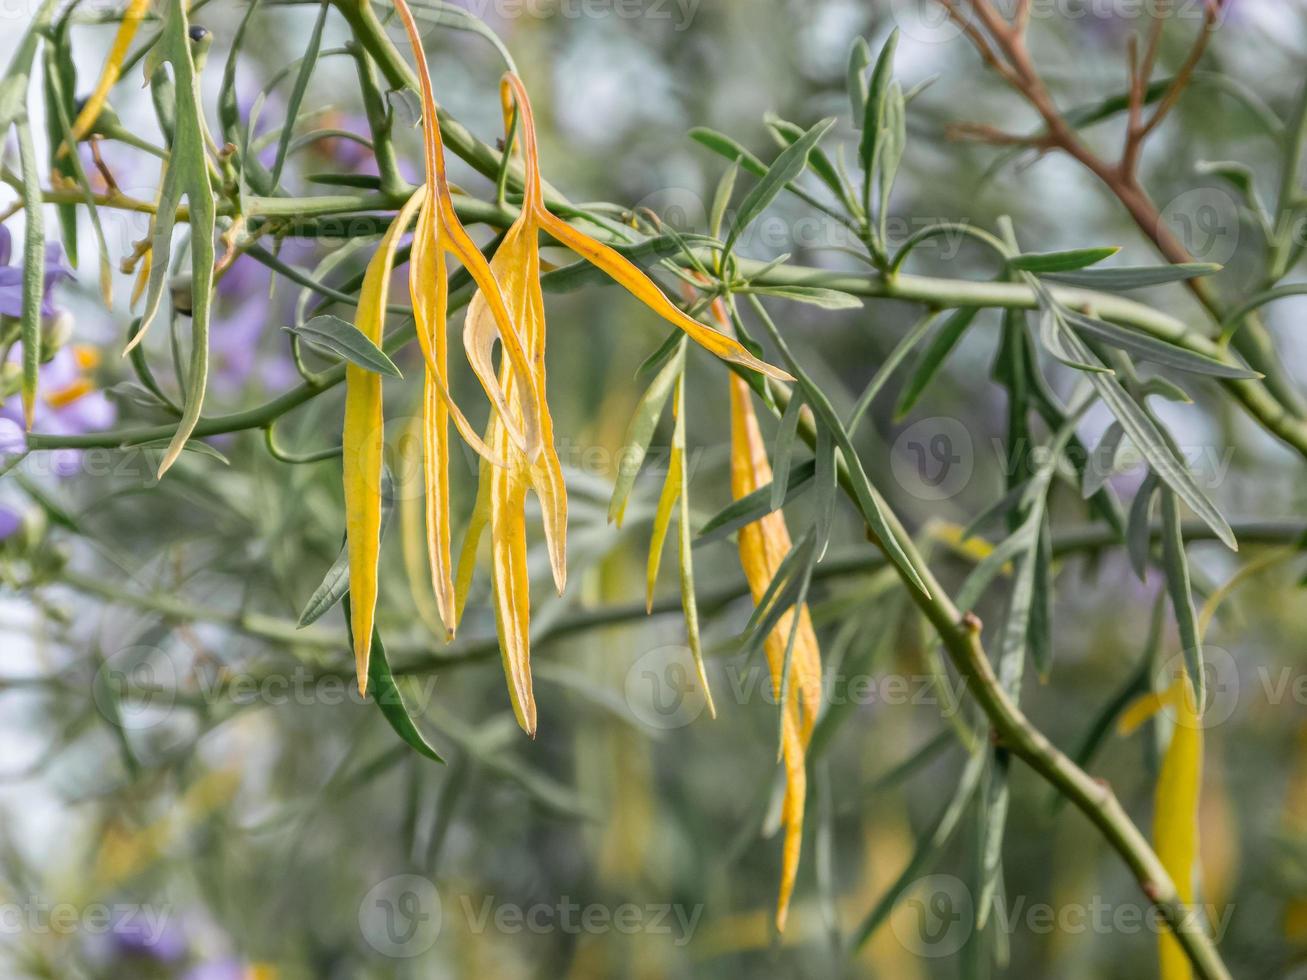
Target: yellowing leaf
(109, 75)
(662, 521)
(442, 231)
(363, 443)
(511, 588)
(630, 277)
(1175, 818)
(763, 546)
(617, 267)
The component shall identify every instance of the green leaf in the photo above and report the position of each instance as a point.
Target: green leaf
(889, 151)
(186, 174)
(1242, 178)
(638, 433)
(783, 592)
(874, 108)
(933, 357)
(1102, 461)
(887, 369)
(783, 451)
(292, 111)
(1150, 442)
(346, 341)
(197, 447)
(826, 478)
(229, 115)
(652, 364)
(1068, 261)
(335, 584)
(928, 850)
(787, 166)
(33, 266)
(788, 133)
(59, 119)
(859, 62)
(722, 200)
(13, 90)
(60, 82)
(868, 499)
(1040, 636)
(1176, 566)
(1162, 388)
(1149, 348)
(685, 552)
(1138, 534)
(1141, 429)
(731, 149)
(1059, 340)
(827, 299)
(751, 507)
(1133, 277)
(385, 692)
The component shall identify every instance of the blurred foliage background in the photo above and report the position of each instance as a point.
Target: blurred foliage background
(248, 804)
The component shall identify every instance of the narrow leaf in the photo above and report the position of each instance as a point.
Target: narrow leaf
(787, 166)
(1133, 277)
(346, 341)
(1176, 566)
(1068, 261)
(386, 694)
(933, 357)
(1149, 348)
(639, 432)
(744, 511)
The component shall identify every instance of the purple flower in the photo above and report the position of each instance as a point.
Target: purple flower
(11, 520)
(245, 341)
(228, 969)
(139, 942)
(11, 277)
(69, 404)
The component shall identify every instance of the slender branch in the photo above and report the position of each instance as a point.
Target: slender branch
(417, 657)
(942, 293)
(1012, 61)
(960, 632)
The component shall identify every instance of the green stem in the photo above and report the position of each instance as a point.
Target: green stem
(960, 632)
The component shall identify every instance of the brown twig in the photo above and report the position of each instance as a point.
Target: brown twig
(1002, 45)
